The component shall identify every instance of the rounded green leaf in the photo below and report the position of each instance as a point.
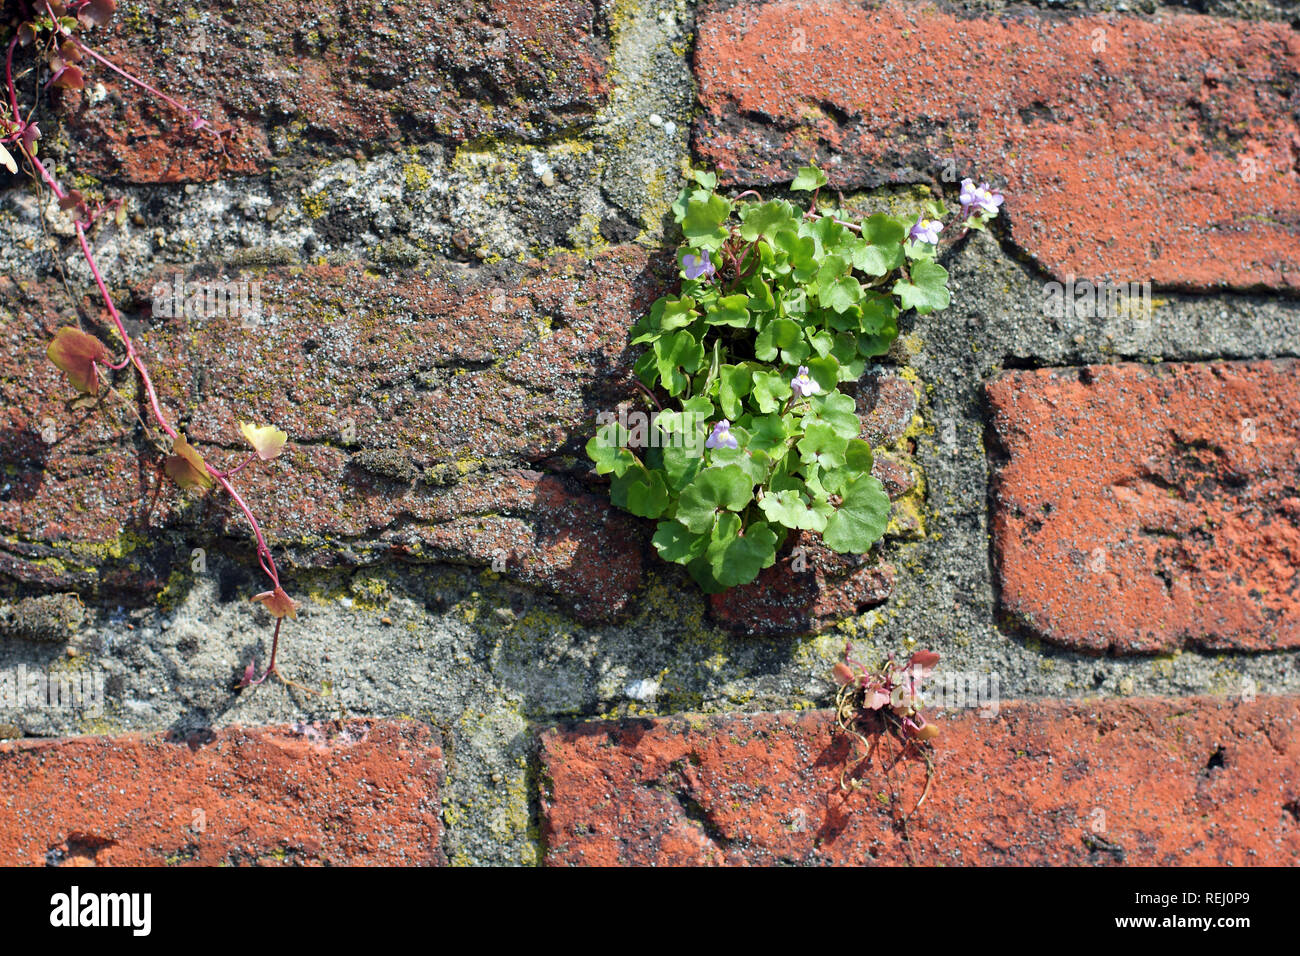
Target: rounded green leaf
(860, 519)
(766, 219)
(715, 490)
(607, 449)
(737, 558)
(881, 248)
(807, 179)
(675, 542)
(858, 455)
(702, 224)
(673, 354)
(776, 335)
(770, 390)
(702, 571)
(640, 491)
(793, 510)
(837, 410)
(825, 372)
(733, 385)
(821, 445)
(729, 310)
(928, 290)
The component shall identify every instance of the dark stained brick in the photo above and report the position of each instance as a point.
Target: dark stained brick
(335, 77)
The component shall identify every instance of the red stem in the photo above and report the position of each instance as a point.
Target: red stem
(175, 104)
(264, 556)
(238, 468)
(275, 646)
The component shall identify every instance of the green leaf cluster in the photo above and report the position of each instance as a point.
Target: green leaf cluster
(790, 287)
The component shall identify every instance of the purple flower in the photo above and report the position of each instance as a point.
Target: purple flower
(979, 197)
(696, 266)
(803, 385)
(721, 436)
(926, 230)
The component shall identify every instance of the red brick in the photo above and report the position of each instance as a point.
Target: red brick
(1123, 161)
(460, 386)
(1143, 509)
(333, 81)
(808, 589)
(1196, 781)
(342, 793)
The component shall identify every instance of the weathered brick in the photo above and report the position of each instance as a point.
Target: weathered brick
(438, 415)
(1143, 509)
(808, 589)
(1195, 781)
(339, 793)
(332, 77)
(1130, 148)
(424, 409)
(886, 403)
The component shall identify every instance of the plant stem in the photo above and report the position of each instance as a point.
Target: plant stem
(264, 556)
(175, 104)
(641, 385)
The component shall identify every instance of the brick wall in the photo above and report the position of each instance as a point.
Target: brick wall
(452, 218)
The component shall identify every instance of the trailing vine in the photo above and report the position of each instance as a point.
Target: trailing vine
(56, 57)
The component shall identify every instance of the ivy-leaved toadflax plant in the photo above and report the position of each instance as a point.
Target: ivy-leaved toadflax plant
(777, 307)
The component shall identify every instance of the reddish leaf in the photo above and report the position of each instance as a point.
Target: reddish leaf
(31, 133)
(186, 467)
(97, 13)
(77, 355)
(923, 662)
(843, 674)
(278, 603)
(877, 698)
(70, 78)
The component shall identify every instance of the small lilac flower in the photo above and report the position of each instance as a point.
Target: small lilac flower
(696, 266)
(721, 436)
(980, 197)
(803, 385)
(926, 230)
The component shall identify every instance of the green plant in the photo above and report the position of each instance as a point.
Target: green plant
(876, 704)
(777, 308)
